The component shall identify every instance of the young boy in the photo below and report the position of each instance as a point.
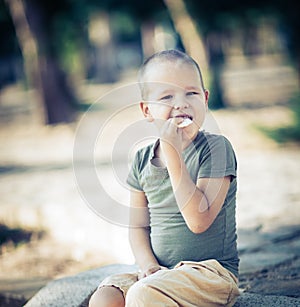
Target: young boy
(183, 229)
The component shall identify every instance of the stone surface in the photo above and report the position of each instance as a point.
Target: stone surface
(256, 262)
(290, 287)
(257, 300)
(269, 273)
(75, 291)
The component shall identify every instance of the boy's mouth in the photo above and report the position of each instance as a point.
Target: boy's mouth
(186, 120)
(184, 116)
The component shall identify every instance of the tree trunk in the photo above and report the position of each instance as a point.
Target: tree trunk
(187, 30)
(103, 67)
(148, 34)
(193, 43)
(57, 95)
(216, 63)
(42, 68)
(27, 46)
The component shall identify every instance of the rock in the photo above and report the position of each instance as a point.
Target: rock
(75, 291)
(257, 300)
(250, 240)
(289, 287)
(16, 292)
(11, 300)
(256, 262)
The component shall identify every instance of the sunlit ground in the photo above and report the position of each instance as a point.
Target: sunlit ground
(39, 190)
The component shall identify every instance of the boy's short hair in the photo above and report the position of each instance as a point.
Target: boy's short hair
(171, 55)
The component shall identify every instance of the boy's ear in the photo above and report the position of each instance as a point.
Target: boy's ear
(206, 93)
(146, 111)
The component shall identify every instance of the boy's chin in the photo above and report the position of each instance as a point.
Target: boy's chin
(190, 132)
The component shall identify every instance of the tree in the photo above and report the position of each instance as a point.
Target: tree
(43, 70)
(187, 29)
(145, 14)
(215, 18)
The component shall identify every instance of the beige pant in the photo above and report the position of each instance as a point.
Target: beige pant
(204, 284)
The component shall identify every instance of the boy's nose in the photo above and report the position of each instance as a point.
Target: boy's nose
(180, 104)
(180, 101)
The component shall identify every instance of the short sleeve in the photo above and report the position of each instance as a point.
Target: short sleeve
(133, 176)
(217, 159)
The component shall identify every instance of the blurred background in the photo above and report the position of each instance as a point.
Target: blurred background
(57, 58)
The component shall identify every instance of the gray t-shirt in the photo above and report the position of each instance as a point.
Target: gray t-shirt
(209, 155)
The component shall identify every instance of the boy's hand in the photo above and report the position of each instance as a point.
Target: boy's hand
(171, 135)
(151, 269)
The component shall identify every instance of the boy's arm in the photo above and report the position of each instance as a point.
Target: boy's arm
(139, 234)
(199, 203)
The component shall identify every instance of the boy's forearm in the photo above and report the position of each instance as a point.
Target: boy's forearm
(140, 244)
(192, 202)
(139, 233)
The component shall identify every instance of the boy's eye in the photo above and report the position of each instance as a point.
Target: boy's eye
(192, 93)
(167, 97)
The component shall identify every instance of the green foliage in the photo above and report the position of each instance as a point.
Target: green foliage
(68, 30)
(8, 40)
(290, 133)
(140, 10)
(124, 27)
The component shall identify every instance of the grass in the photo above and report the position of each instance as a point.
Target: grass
(289, 133)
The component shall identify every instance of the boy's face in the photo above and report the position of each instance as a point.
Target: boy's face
(174, 90)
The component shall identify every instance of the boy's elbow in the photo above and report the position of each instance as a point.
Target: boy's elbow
(199, 223)
(198, 228)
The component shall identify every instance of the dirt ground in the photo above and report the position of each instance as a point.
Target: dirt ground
(39, 193)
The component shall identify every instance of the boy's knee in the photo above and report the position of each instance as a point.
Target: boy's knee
(140, 294)
(136, 293)
(107, 297)
(95, 299)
